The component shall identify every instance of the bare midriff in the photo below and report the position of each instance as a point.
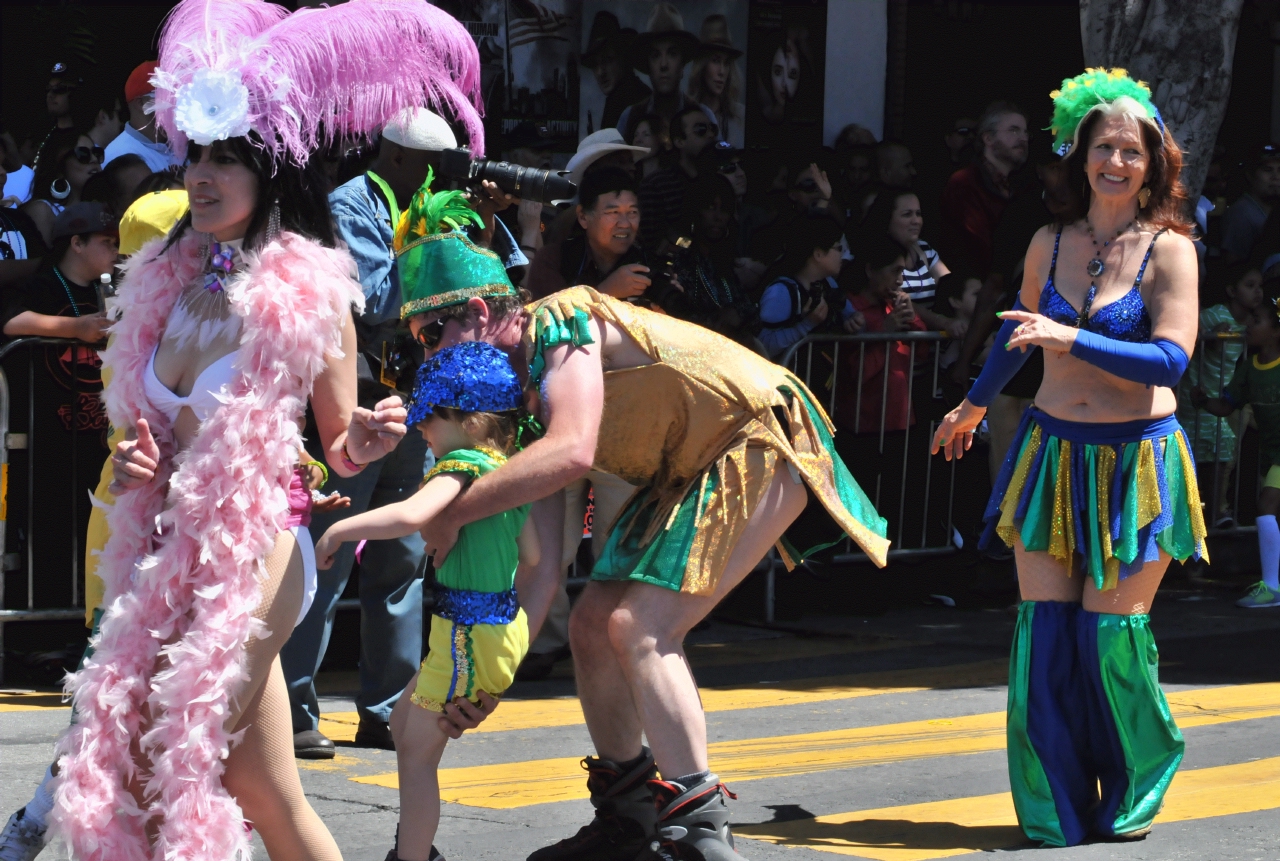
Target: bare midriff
(1077, 391)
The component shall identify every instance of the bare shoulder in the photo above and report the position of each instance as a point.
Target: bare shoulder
(1174, 261)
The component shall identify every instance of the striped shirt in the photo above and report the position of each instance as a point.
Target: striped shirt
(918, 283)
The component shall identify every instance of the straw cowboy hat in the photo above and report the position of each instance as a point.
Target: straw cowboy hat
(606, 32)
(594, 146)
(665, 23)
(715, 37)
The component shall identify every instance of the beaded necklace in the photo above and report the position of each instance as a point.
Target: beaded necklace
(75, 308)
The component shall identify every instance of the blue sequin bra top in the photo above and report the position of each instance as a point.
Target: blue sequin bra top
(1125, 319)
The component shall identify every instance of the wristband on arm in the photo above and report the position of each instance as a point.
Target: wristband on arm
(1001, 365)
(1158, 363)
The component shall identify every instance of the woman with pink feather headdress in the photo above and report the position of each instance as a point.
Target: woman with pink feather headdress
(228, 327)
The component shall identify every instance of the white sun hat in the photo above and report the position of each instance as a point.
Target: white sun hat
(593, 147)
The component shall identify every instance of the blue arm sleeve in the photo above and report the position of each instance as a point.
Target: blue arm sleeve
(1158, 363)
(1001, 365)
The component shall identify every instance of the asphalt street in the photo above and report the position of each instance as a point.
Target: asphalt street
(879, 738)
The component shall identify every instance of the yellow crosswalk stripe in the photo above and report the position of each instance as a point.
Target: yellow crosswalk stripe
(943, 829)
(29, 701)
(517, 784)
(566, 711)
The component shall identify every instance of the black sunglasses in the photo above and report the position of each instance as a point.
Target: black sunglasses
(430, 334)
(89, 154)
(730, 167)
(704, 129)
(58, 91)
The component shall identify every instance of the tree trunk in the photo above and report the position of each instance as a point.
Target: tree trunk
(1183, 49)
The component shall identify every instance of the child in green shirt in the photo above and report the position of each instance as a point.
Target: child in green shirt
(1257, 382)
(467, 404)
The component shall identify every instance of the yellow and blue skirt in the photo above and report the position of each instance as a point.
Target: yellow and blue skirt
(477, 641)
(1102, 498)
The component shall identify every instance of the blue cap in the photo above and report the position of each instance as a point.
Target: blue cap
(474, 377)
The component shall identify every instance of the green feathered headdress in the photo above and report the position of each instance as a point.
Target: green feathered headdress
(438, 265)
(1081, 94)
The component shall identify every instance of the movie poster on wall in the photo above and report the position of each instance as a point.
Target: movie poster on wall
(639, 52)
(786, 73)
(529, 69)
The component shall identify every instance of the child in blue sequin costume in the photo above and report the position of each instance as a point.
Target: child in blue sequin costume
(466, 403)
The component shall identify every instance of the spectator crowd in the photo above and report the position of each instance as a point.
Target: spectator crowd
(672, 213)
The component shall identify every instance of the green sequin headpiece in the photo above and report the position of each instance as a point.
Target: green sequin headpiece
(438, 265)
(1081, 94)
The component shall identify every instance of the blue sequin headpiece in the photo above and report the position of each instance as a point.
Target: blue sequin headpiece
(474, 377)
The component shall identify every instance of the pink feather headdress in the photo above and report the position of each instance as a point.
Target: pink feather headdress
(302, 80)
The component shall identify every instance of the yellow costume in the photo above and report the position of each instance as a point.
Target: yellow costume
(701, 430)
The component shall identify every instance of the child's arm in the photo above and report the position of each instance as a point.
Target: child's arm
(527, 542)
(392, 521)
(1216, 406)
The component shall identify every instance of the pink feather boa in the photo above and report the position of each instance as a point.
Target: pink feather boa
(197, 588)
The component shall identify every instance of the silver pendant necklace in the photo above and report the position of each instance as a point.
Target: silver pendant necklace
(1096, 267)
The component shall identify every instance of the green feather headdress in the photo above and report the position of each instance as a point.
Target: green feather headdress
(430, 213)
(1081, 94)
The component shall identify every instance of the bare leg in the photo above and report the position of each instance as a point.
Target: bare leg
(648, 626)
(262, 775)
(419, 744)
(610, 713)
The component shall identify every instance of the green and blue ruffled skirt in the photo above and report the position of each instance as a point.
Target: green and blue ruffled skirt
(1102, 498)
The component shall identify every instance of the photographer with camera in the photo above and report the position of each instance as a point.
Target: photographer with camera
(794, 305)
(605, 255)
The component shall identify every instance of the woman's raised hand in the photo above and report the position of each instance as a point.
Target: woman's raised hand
(373, 433)
(1036, 330)
(135, 461)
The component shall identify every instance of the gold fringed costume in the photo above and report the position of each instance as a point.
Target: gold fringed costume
(701, 430)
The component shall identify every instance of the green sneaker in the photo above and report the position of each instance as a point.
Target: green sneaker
(1260, 595)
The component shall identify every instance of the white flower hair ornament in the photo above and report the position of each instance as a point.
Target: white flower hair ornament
(299, 81)
(212, 106)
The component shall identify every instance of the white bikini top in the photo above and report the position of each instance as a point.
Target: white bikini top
(206, 395)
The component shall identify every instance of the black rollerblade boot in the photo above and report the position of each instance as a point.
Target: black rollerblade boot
(693, 823)
(623, 825)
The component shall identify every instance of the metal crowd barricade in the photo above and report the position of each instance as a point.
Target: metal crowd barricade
(817, 354)
(10, 441)
(1222, 469)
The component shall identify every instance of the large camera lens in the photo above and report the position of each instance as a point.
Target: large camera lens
(527, 183)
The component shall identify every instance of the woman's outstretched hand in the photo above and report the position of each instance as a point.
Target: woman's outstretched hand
(955, 434)
(373, 433)
(1036, 330)
(135, 461)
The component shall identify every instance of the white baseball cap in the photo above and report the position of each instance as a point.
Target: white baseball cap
(593, 147)
(420, 129)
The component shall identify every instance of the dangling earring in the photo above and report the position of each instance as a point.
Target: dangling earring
(273, 222)
(1144, 197)
(60, 189)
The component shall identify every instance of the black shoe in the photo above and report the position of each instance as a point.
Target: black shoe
(435, 855)
(374, 733)
(693, 823)
(312, 744)
(623, 826)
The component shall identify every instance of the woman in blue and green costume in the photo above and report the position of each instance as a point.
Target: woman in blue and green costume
(1098, 491)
